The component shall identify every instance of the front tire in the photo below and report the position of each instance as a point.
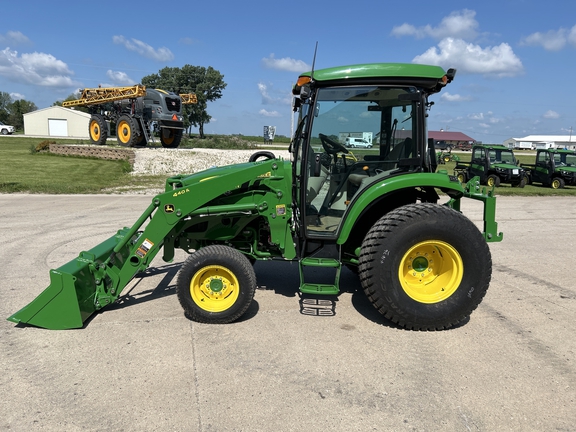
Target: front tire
(216, 285)
(557, 183)
(170, 138)
(493, 180)
(425, 266)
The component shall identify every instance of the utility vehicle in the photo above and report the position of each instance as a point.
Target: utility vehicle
(553, 167)
(493, 164)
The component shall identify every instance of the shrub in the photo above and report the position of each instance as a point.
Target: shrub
(44, 145)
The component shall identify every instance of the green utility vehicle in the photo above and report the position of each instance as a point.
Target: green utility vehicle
(494, 164)
(554, 167)
(421, 262)
(445, 156)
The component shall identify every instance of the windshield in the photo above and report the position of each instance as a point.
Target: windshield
(502, 156)
(367, 116)
(565, 159)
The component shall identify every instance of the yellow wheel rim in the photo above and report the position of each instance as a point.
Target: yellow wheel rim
(124, 132)
(490, 181)
(95, 131)
(431, 271)
(168, 136)
(555, 184)
(214, 288)
(461, 178)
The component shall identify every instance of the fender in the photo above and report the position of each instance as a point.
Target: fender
(373, 190)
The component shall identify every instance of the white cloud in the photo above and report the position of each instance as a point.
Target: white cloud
(466, 57)
(188, 41)
(161, 54)
(285, 64)
(35, 68)
(572, 36)
(17, 96)
(478, 116)
(276, 99)
(459, 24)
(551, 115)
(14, 38)
(552, 40)
(449, 97)
(266, 99)
(266, 113)
(120, 78)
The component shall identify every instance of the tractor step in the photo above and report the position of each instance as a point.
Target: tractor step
(308, 287)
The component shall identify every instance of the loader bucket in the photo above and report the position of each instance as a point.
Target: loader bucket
(70, 298)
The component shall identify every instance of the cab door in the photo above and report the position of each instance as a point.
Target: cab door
(478, 165)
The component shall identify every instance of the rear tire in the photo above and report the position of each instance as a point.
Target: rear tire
(425, 266)
(127, 131)
(98, 129)
(216, 285)
(462, 177)
(170, 138)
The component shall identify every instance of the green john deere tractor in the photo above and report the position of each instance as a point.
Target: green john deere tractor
(423, 264)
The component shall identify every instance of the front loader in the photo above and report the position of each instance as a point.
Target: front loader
(384, 213)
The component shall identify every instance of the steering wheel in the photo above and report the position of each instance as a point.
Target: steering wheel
(332, 147)
(262, 153)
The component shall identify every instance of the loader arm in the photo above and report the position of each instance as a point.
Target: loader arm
(96, 278)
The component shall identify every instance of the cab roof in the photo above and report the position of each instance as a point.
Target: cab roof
(431, 78)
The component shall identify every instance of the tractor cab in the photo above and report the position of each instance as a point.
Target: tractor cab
(328, 174)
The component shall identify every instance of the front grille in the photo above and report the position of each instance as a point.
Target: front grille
(173, 104)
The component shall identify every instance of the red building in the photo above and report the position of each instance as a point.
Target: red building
(456, 140)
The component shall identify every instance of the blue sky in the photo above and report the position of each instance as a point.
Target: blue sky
(515, 58)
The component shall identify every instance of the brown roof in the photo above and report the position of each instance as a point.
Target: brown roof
(449, 136)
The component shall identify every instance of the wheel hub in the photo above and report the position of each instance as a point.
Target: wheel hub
(214, 288)
(431, 271)
(215, 285)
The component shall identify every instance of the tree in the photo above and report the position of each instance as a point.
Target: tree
(17, 110)
(206, 83)
(5, 101)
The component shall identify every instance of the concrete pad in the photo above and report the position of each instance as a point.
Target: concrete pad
(141, 365)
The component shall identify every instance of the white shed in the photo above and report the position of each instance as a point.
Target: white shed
(542, 141)
(58, 122)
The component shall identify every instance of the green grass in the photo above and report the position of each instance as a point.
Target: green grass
(25, 171)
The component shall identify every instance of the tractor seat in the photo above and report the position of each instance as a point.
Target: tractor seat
(356, 179)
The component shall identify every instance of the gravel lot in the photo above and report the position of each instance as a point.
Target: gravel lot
(158, 161)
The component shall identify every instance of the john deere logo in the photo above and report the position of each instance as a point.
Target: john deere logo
(169, 208)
